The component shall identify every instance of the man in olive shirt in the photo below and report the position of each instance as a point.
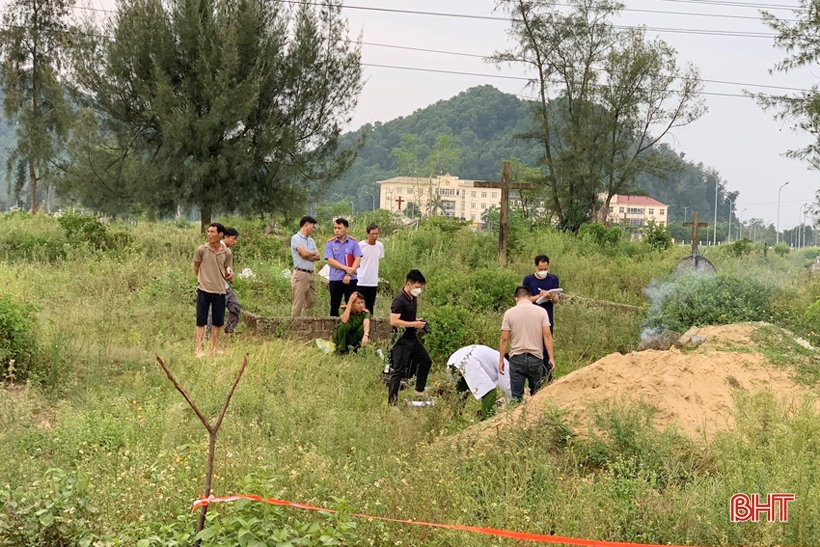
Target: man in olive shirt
(212, 265)
(528, 326)
(354, 329)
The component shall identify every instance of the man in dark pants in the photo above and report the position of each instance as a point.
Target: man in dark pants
(231, 301)
(540, 283)
(212, 264)
(528, 327)
(343, 255)
(408, 348)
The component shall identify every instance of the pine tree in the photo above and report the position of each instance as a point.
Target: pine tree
(33, 51)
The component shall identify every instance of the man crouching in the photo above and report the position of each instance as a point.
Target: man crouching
(354, 330)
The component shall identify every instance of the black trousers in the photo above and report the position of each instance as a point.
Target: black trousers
(337, 290)
(369, 297)
(405, 352)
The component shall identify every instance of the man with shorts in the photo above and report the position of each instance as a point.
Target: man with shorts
(211, 265)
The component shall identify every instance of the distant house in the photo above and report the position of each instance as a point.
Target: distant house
(637, 210)
(442, 196)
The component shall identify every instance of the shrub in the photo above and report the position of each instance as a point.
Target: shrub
(81, 229)
(739, 248)
(17, 340)
(811, 321)
(710, 300)
(602, 236)
(450, 328)
(782, 249)
(657, 236)
(480, 290)
(53, 511)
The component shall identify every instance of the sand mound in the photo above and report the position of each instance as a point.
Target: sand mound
(690, 390)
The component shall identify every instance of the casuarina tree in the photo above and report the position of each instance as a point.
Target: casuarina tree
(222, 105)
(33, 45)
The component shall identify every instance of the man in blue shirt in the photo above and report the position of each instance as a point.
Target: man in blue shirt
(540, 284)
(343, 255)
(304, 252)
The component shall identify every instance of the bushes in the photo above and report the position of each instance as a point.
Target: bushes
(480, 290)
(17, 340)
(708, 300)
(80, 229)
(451, 327)
(50, 512)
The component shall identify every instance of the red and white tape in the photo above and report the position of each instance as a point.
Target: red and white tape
(526, 536)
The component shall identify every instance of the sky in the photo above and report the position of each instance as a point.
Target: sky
(735, 137)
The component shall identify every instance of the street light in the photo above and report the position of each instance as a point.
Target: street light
(741, 222)
(685, 209)
(802, 226)
(373, 208)
(714, 228)
(729, 235)
(777, 239)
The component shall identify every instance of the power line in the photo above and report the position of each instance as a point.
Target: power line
(506, 77)
(438, 51)
(748, 5)
(733, 34)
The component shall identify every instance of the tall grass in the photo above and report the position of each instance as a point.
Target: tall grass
(318, 428)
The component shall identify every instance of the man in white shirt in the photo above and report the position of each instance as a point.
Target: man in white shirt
(478, 367)
(372, 252)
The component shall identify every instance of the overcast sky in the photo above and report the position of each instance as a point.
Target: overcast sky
(735, 136)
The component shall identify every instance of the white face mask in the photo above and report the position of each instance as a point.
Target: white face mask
(415, 292)
(541, 275)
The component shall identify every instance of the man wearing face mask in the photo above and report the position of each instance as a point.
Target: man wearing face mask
(408, 348)
(540, 284)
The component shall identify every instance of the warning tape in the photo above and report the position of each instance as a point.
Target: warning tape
(538, 538)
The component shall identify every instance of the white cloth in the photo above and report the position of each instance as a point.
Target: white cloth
(369, 267)
(479, 367)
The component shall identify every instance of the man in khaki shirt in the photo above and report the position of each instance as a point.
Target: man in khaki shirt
(528, 326)
(213, 264)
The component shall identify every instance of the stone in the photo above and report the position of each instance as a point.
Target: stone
(686, 339)
(658, 339)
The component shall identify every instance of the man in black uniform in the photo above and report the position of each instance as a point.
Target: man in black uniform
(408, 348)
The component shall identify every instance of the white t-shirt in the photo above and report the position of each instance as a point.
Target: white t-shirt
(369, 267)
(479, 366)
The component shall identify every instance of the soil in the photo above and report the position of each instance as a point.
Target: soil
(691, 390)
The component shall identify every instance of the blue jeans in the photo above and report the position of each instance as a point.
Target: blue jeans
(525, 367)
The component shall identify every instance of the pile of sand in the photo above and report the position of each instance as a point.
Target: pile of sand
(691, 390)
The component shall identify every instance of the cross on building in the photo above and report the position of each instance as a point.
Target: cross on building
(695, 225)
(505, 186)
(400, 201)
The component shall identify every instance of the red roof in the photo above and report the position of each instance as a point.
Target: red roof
(638, 200)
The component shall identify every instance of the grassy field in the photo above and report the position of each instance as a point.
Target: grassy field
(97, 448)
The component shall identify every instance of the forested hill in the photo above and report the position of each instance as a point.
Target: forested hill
(483, 124)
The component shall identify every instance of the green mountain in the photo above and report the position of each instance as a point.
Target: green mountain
(483, 124)
(482, 121)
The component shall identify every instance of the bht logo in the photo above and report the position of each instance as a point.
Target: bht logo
(743, 508)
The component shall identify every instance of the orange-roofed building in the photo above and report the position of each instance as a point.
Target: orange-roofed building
(637, 210)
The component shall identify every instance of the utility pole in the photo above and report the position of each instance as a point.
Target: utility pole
(777, 239)
(714, 228)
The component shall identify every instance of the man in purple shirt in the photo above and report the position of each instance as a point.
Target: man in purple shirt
(343, 255)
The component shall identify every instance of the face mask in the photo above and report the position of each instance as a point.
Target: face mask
(541, 275)
(415, 292)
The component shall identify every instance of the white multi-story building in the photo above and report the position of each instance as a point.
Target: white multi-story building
(444, 196)
(637, 210)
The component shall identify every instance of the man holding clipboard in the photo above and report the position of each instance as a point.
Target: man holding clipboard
(544, 288)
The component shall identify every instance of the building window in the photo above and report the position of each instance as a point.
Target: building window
(472, 205)
(651, 211)
(634, 211)
(472, 217)
(398, 190)
(473, 194)
(662, 211)
(484, 194)
(495, 195)
(621, 210)
(483, 206)
(636, 222)
(612, 209)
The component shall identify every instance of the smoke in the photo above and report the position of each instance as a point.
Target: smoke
(654, 324)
